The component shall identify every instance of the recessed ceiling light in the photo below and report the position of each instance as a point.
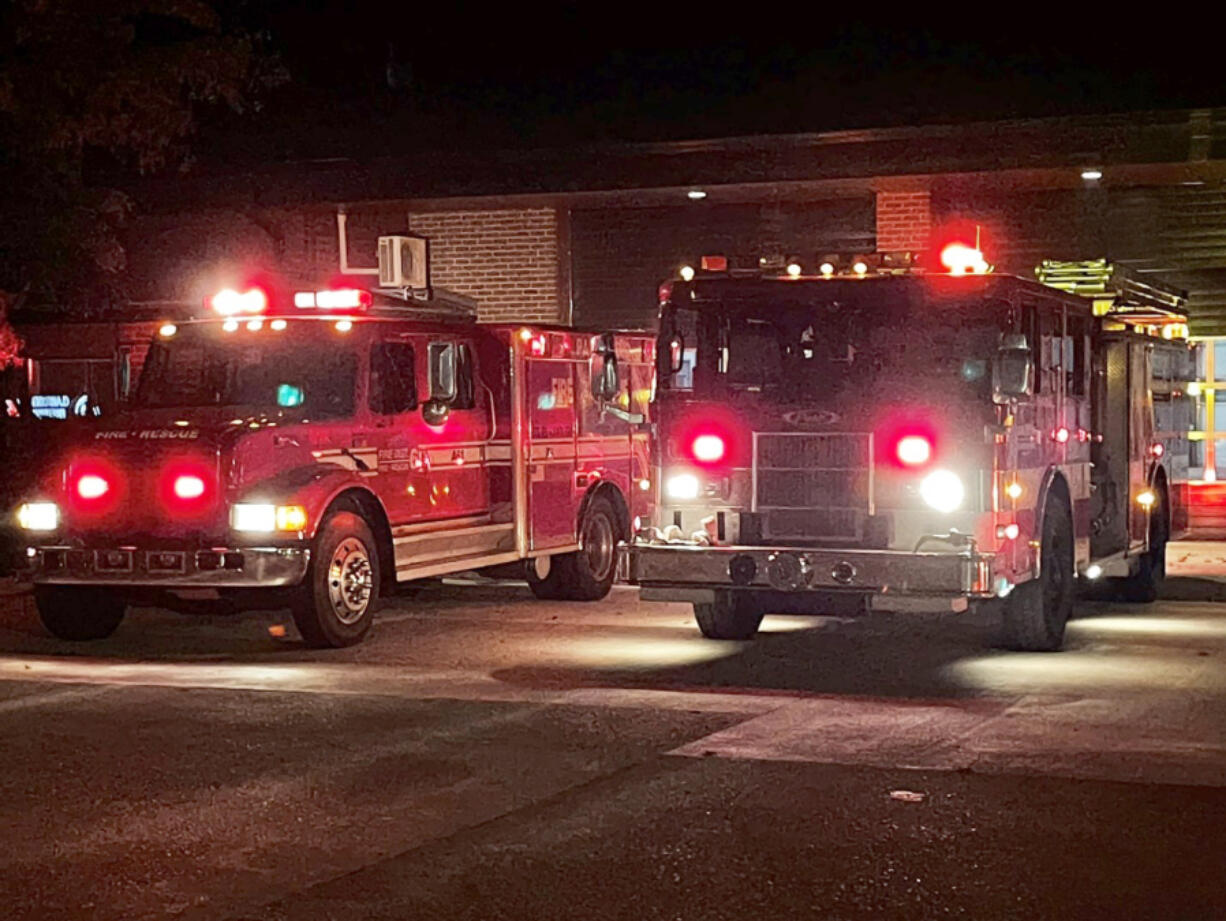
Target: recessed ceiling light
(1091, 175)
(695, 194)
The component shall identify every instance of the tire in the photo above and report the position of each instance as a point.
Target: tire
(549, 588)
(1143, 586)
(334, 607)
(732, 616)
(587, 574)
(1036, 612)
(79, 614)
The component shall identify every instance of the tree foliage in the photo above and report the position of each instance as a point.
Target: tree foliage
(10, 344)
(93, 93)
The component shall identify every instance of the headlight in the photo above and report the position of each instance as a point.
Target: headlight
(682, 486)
(268, 518)
(942, 489)
(38, 516)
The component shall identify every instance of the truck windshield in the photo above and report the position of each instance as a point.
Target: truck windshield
(890, 347)
(299, 373)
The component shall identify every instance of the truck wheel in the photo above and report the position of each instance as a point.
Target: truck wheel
(336, 603)
(1036, 612)
(587, 574)
(79, 613)
(1144, 585)
(732, 616)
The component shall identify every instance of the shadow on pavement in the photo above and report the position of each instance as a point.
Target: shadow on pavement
(881, 655)
(159, 633)
(499, 631)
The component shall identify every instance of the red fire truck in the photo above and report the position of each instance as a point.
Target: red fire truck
(864, 439)
(312, 455)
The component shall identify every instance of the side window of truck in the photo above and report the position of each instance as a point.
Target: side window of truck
(1051, 332)
(393, 386)
(1076, 367)
(465, 392)
(1030, 326)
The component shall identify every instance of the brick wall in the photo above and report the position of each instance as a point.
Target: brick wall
(904, 221)
(509, 260)
(136, 337)
(513, 261)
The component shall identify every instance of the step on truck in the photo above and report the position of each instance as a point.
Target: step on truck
(313, 450)
(880, 438)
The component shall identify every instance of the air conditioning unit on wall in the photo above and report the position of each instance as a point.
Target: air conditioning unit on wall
(404, 262)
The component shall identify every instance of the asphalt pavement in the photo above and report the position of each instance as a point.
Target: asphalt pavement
(484, 755)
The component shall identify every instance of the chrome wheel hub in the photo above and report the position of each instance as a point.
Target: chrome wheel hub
(599, 547)
(350, 580)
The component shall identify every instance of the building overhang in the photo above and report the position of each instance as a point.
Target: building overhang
(1163, 148)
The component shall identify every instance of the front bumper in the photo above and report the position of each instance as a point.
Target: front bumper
(693, 572)
(233, 567)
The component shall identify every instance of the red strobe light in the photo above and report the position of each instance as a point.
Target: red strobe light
(960, 259)
(188, 486)
(907, 441)
(92, 486)
(708, 449)
(913, 450)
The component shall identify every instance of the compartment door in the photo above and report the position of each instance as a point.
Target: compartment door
(551, 453)
(1141, 435)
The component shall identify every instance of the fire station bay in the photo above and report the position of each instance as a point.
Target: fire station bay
(894, 369)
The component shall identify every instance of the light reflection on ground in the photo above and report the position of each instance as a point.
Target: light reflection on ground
(788, 623)
(648, 651)
(36, 668)
(1135, 627)
(1079, 672)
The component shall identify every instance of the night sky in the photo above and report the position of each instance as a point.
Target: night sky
(366, 77)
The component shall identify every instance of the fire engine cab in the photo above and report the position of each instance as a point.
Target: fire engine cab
(881, 438)
(312, 453)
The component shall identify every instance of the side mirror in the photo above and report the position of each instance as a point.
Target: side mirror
(605, 381)
(676, 353)
(435, 412)
(1012, 370)
(442, 372)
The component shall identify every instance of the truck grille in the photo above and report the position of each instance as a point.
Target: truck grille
(813, 486)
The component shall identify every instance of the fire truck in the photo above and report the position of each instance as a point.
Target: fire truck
(877, 437)
(311, 453)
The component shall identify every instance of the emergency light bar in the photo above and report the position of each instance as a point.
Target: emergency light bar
(229, 303)
(333, 299)
(826, 265)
